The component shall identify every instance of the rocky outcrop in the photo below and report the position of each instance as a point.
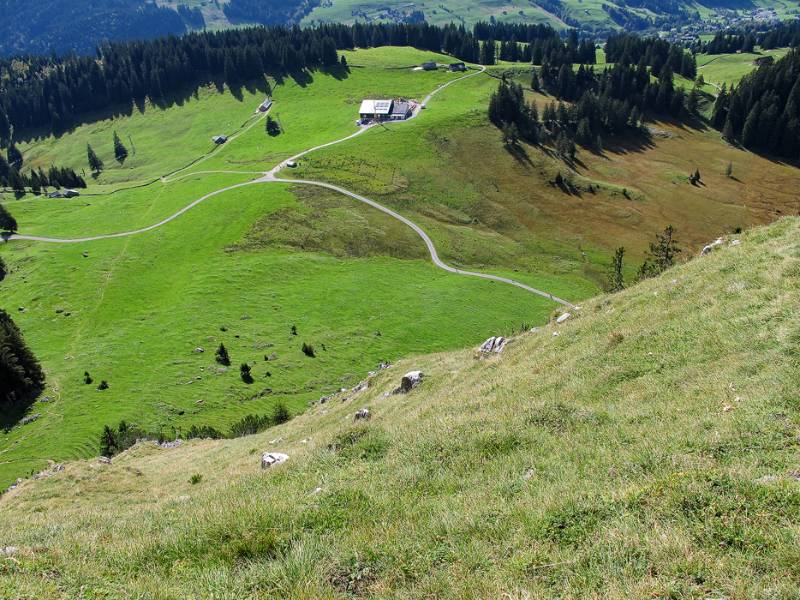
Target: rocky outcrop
(494, 344)
(270, 459)
(709, 247)
(409, 381)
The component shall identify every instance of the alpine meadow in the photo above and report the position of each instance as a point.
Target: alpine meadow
(383, 300)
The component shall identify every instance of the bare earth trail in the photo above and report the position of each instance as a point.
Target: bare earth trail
(271, 177)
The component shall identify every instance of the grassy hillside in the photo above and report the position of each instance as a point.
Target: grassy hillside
(648, 450)
(728, 69)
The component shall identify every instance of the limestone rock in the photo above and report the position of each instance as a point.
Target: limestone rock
(409, 381)
(270, 459)
(105, 460)
(363, 414)
(709, 247)
(563, 318)
(493, 344)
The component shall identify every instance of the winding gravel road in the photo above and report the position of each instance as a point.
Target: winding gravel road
(271, 177)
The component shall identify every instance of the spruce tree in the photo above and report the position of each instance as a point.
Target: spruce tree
(272, 127)
(14, 157)
(95, 164)
(7, 222)
(222, 356)
(108, 442)
(729, 170)
(120, 151)
(728, 133)
(661, 255)
(616, 278)
(21, 376)
(3, 269)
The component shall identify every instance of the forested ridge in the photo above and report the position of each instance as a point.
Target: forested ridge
(778, 35)
(62, 26)
(763, 111)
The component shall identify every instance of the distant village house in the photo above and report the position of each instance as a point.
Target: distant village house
(219, 139)
(459, 66)
(429, 66)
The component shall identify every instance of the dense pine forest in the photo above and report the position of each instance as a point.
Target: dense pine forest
(21, 376)
(763, 111)
(778, 35)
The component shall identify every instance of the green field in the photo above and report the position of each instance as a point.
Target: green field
(648, 451)
(719, 69)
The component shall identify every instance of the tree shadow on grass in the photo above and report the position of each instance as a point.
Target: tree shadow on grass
(519, 153)
(339, 71)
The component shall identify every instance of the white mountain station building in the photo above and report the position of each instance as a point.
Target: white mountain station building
(385, 110)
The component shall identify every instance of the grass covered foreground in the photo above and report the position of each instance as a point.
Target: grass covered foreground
(648, 450)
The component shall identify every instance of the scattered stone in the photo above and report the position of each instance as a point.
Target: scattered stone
(360, 387)
(528, 474)
(384, 365)
(563, 318)
(46, 399)
(709, 247)
(57, 468)
(8, 550)
(183, 499)
(30, 418)
(317, 490)
(21, 309)
(556, 334)
(199, 350)
(363, 415)
(735, 242)
(727, 408)
(269, 459)
(493, 344)
(409, 381)
(244, 318)
(173, 444)
(767, 479)
(85, 255)
(275, 441)
(105, 460)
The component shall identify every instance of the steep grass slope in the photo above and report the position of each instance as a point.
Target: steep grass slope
(650, 449)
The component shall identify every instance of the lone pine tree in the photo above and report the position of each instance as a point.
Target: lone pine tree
(95, 164)
(120, 151)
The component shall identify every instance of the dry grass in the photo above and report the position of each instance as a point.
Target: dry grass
(649, 450)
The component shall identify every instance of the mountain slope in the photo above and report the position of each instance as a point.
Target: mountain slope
(650, 449)
(79, 26)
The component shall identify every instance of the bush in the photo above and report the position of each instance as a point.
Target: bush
(250, 424)
(221, 356)
(280, 414)
(103, 385)
(308, 350)
(244, 370)
(87, 379)
(195, 479)
(204, 432)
